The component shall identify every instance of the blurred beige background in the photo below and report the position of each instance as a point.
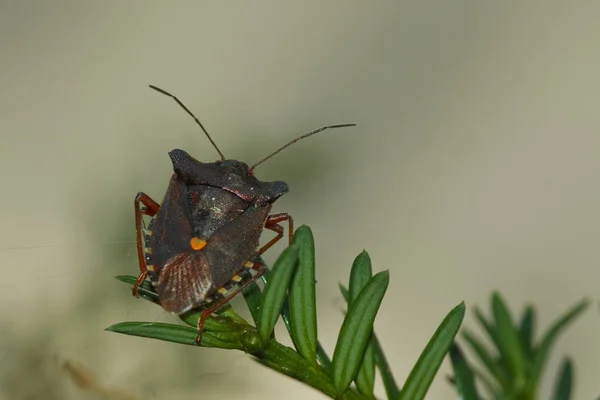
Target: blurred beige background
(474, 167)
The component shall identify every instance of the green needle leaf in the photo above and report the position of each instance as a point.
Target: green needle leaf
(526, 330)
(489, 328)
(275, 291)
(486, 358)
(429, 362)
(509, 340)
(252, 296)
(492, 333)
(365, 379)
(550, 337)
(359, 276)
(356, 330)
(215, 324)
(490, 386)
(177, 334)
(564, 383)
(464, 376)
(322, 356)
(285, 310)
(302, 298)
(345, 292)
(391, 388)
(146, 291)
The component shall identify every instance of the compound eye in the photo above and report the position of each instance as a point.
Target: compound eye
(197, 243)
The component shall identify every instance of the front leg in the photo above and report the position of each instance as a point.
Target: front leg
(273, 225)
(150, 209)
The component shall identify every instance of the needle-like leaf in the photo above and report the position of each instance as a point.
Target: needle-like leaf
(252, 296)
(564, 383)
(509, 340)
(550, 337)
(302, 298)
(178, 334)
(526, 332)
(486, 358)
(146, 291)
(420, 378)
(356, 330)
(360, 274)
(389, 383)
(464, 376)
(275, 291)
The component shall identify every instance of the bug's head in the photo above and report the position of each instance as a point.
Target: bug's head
(231, 175)
(240, 170)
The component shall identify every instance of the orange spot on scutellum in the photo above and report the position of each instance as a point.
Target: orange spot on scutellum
(197, 243)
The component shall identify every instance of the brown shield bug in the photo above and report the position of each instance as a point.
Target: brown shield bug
(201, 246)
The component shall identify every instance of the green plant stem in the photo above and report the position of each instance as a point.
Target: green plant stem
(287, 361)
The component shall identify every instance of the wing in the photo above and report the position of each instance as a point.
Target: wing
(189, 277)
(171, 227)
(184, 282)
(231, 246)
(180, 276)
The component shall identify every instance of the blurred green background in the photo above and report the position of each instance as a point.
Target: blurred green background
(474, 167)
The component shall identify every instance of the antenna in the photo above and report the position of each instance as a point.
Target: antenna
(291, 142)
(192, 115)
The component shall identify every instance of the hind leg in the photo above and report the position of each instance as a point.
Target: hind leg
(144, 205)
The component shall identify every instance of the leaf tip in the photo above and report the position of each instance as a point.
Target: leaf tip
(302, 229)
(461, 307)
(586, 301)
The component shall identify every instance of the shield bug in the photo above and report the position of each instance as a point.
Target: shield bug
(201, 245)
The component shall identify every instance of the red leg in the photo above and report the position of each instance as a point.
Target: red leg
(273, 225)
(150, 209)
(260, 269)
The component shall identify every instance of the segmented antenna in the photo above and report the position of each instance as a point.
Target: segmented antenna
(291, 142)
(192, 115)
